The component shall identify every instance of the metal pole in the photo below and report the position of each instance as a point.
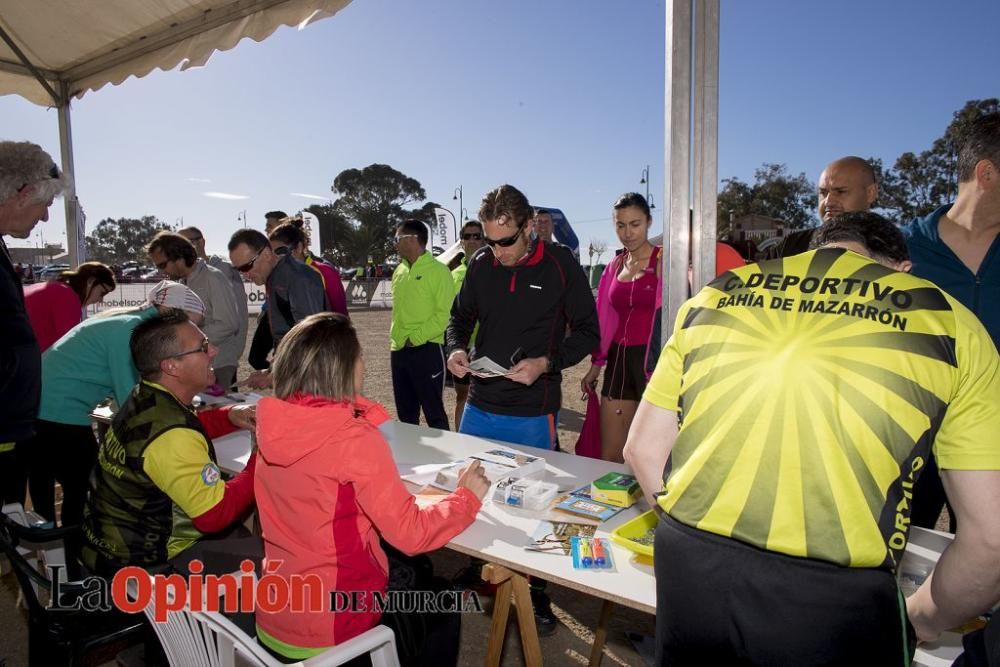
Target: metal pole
(677, 158)
(705, 141)
(70, 202)
(457, 194)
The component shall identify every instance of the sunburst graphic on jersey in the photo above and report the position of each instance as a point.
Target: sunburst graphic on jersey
(796, 422)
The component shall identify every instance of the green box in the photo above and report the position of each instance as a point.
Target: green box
(616, 489)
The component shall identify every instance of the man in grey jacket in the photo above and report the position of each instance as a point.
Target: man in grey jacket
(197, 239)
(294, 291)
(175, 256)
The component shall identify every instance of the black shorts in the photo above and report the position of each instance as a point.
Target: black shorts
(625, 373)
(723, 602)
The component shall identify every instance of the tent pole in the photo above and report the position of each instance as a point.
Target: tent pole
(705, 141)
(35, 72)
(677, 160)
(73, 242)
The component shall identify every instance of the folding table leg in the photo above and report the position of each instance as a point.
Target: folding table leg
(601, 633)
(507, 582)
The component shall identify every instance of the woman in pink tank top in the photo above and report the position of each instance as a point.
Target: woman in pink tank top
(628, 297)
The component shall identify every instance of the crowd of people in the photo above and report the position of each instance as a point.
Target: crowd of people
(806, 411)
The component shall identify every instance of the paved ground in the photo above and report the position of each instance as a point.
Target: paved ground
(577, 613)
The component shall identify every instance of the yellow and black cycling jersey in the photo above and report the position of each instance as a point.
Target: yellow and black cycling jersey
(810, 391)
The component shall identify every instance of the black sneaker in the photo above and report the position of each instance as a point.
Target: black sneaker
(545, 620)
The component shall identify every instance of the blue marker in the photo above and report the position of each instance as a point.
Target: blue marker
(599, 559)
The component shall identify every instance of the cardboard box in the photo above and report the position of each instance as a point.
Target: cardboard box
(616, 489)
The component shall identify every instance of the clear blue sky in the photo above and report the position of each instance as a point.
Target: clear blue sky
(562, 98)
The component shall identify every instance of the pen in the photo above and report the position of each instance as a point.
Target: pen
(585, 558)
(599, 558)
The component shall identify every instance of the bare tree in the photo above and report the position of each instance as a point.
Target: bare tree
(597, 248)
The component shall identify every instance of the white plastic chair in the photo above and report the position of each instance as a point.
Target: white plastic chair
(209, 639)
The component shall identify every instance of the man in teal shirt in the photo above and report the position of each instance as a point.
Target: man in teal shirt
(422, 292)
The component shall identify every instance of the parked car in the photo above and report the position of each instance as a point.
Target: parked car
(51, 272)
(132, 274)
(151, 276)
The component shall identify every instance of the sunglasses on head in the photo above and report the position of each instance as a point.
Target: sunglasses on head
(53, 174)
(472, 236)
(243, 268)
(504, 243)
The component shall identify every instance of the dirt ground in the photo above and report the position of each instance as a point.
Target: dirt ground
(373, 330)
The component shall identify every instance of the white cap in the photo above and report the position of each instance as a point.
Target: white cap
(169, 294)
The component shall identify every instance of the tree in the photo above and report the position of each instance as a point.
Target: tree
(918, 183)
(774, 193)
(596, 249)
(122, 240)
(374, 200)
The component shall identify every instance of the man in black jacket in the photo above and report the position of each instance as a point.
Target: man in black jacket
(536, 316)
(29, 181)
(525, 294)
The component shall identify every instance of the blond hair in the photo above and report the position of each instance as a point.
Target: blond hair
(317, 357)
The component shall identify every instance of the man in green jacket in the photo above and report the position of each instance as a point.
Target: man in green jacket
(422, 292)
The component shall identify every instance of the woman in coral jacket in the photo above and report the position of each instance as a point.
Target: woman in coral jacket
(327, 487)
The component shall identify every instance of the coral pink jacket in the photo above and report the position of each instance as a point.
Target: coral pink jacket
(326, 487)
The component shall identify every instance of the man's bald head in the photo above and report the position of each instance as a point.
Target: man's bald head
(845, 186)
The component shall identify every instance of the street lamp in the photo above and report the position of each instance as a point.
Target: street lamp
(465, 215)
(457, 196)
(645, 181)
(652, 204)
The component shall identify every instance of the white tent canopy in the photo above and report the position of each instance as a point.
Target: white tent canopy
(55, 50)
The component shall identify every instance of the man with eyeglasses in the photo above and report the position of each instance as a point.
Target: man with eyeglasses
(197, 239)
(157, 491)
(89, 364)
(294, 291)
(536, 314)
(29, 181)
(472, 241)
(175, 256)
(422, 292)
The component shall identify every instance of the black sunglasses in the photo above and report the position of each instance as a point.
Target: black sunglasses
(243, 268)
(472, 236)
(504, 243)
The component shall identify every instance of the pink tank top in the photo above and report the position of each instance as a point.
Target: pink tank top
(635, 303)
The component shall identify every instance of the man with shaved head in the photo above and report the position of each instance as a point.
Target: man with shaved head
(845, 186)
